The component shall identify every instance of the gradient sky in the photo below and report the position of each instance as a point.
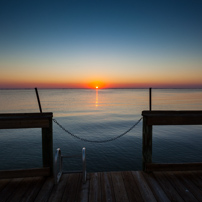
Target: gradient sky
(112, 44)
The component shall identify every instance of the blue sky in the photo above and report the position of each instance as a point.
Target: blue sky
(119, 43)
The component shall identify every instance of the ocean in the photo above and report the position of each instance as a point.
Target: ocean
(99, 115)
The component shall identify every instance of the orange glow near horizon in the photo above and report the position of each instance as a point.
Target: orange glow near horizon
(99, 84)
(96, 85)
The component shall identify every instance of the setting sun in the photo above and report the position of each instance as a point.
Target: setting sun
(96, 86)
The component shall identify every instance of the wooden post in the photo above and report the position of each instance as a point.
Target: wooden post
(146, 143)
(47, 146)
(150, 99)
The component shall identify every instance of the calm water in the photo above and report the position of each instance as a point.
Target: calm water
(100, 115)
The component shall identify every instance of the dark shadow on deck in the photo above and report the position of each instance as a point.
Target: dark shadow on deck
(107, 186)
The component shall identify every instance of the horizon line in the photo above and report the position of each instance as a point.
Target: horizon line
(97, 88)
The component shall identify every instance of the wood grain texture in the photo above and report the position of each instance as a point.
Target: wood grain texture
(127, 186)
(173, 167)
(144, 188)
(132, 189)
(119, 188)
(173, 117)
(146, 144)
(28, 120)
(34, 172)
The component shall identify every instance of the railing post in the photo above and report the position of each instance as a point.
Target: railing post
(146, 143)
(38, 99)
(47, 146)
(150, 99)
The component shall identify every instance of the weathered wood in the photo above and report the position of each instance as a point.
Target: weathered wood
(167, 187)
(47, 146)
(173, 167)
(25, 115)
(72, 188)
(4, 183)
(151, 118)
(180, 187)
(150, 99)
(173, 117)
(171, 112)
(29, 120)
(45, 190)
(196, 178)
(155, 187)
(107, 191)
(132, 189)
(84, 193)
(58, 190)
(33, 190)
(144, 188)
(146, 143)
(33, 120)
(79, 187)
(185, 179)
(34, 172)
(124, 186)
(9, 190)
(29, 123)
(95, 192)
(119, 188)
(21, 190)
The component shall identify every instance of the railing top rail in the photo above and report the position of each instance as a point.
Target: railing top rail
(29, 120)
(172, 117)
(171, 112)
(25, 115)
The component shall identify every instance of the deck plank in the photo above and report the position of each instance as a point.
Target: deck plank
(71, 188)
(196, 179)
(95, 193)
(180, 187)
(131, 187)
(79, 188)
(107, 191)
(144, 188)
(45, 190)
(21, 190)
(167, 187)
(198, 175)
(127, 186)
(119, 188)
(58, 189)
(10, 189)
(155, 187)
(33, 190)
(4, 183)
(84, 190)
(187, 181)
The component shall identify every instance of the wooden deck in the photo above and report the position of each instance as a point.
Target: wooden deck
(106, 186)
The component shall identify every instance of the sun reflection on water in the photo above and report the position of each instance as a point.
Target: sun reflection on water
(96, 101)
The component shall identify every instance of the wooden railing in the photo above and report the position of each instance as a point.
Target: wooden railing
(151, 118)
(32, 120)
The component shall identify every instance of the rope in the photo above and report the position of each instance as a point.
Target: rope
(96, 141)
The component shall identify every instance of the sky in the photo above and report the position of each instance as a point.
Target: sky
(105, 43)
